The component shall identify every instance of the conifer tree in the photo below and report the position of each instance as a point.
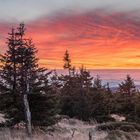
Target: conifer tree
(9, 75)
(85, 78)
(56, 82)
(25, 87)
(97, 83)
(127, 86)
(67, 61)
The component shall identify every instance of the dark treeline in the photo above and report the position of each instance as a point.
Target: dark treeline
(84, 97)
(28, 94)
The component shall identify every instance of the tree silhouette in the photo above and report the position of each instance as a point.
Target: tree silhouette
(127, 86)
(85, 78)
(67, 61)
(97, 83)
(23, 83)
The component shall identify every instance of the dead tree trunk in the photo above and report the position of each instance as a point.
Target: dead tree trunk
(27, 110)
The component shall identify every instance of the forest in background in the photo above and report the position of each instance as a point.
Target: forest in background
(36, 95)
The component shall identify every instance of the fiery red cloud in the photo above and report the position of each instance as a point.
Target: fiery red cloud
(96, 39)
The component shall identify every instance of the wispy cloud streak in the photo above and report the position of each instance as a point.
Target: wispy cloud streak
(97, 38)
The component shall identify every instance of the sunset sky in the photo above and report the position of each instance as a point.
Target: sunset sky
(100, 34)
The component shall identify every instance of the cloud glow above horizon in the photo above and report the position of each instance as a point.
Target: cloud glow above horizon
(96, 37)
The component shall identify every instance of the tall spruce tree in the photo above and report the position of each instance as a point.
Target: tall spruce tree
(9, 75)
(97, 83)
(67, 61)
(24, 85)
(85, 78)
(127, 86)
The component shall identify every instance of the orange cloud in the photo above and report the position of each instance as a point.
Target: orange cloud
(96, 39)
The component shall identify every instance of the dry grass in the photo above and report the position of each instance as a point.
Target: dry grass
(71, 129)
